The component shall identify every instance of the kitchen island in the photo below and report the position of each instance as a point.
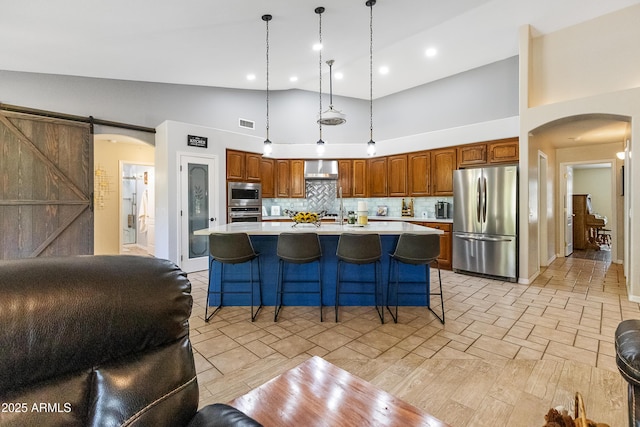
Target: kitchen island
(264, 237)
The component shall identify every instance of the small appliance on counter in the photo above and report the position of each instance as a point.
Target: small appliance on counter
(443, 210)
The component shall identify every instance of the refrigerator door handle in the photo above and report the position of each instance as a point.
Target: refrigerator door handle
(483, 238)
(479, 200)
(484, 200)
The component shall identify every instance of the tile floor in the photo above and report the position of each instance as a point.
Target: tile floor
(552, 338)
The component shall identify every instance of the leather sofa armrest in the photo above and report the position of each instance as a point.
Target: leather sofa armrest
(221, 415)
(627, 342)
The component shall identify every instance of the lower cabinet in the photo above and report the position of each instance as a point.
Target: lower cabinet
(445, 242)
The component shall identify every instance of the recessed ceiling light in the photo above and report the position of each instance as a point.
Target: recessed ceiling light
(251, 77)
(338, 76)
(384, 70)
(293, 79)
(317, 46)
(431, 52)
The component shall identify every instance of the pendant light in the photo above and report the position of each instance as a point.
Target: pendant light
(371, 145)
(267, 147)
(332, 117)
(320, 143)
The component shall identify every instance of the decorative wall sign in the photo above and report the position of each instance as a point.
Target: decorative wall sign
(197, 141)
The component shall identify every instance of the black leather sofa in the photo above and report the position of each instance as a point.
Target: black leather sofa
(99, 341)
(627, 343)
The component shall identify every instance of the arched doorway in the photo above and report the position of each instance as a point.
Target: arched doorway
(578, 140)
(123, 196)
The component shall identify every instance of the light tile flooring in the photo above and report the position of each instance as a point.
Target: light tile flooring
(507, 353)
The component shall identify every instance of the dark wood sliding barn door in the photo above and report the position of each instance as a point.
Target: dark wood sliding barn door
(46, 186)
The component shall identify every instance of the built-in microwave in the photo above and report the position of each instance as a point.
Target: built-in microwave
(244, 194)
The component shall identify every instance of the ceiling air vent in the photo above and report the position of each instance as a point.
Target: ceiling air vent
(247, 124)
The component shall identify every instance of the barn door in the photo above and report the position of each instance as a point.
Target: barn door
(46, 185)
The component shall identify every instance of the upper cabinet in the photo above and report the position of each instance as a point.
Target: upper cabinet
(359, 185)
(488, 153)
(419, 174)
(397, 176)
(378, 177)
(297, 187)
(443, 163)
(290, 178)
(252, 166)
(504, 151)
(243, 166)
(282, 178)
(472, 155)
(345, 177)
(268, 177)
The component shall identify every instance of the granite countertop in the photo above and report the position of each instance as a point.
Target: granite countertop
(326, 228)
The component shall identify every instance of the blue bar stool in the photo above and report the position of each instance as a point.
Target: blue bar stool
(416, 249)
(232, 248)
(297, 248)
(361, 249)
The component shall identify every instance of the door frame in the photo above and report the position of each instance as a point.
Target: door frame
(543, 221)
(202, 263)
(121, 164)
(613, 221)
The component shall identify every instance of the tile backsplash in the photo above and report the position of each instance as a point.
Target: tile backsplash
(424, 207)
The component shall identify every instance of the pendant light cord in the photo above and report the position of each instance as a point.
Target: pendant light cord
(267, 43)
(266, 19)
(319, 11)
(370, 3)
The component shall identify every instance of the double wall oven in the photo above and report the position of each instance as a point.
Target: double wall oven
(244, 202)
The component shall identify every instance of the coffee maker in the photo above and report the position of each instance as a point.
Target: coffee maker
(443, 210)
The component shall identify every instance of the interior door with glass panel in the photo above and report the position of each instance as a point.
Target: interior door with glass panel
(198, 210)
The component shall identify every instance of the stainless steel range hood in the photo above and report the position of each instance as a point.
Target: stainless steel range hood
(321, 169)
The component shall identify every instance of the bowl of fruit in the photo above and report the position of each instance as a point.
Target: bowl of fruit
(297, 217)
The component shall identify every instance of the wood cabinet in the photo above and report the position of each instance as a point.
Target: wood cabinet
(397, 176)
(504, 151)
(297, 186)
(282, 178)
(472, 155)
(345, 177)
(252, 166)
(446, 239)
(378, 177)
(419, 174)
(360, 182)
(268, 177)
(443, 163)
(243, 166)
(290, 178)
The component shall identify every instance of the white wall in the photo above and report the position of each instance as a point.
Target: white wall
(171, 142)
(596, 182)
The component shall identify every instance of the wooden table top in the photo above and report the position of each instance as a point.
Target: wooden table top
(317, 393)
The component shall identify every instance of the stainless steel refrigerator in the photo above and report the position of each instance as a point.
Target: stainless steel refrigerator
(485, 221)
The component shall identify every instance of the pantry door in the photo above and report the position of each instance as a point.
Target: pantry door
(46, 187)
(198, 210)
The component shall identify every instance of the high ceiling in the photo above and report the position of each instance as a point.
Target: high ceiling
(218, 43)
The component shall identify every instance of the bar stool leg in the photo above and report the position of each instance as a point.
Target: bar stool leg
(393, 263)
(253, 316)
(379, 291)
(428, 268)
(320, 287)
(279, 290)
(338, 289)
(207, 316)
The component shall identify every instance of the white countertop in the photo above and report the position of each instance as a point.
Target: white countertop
(372, 218)
(326, 228)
